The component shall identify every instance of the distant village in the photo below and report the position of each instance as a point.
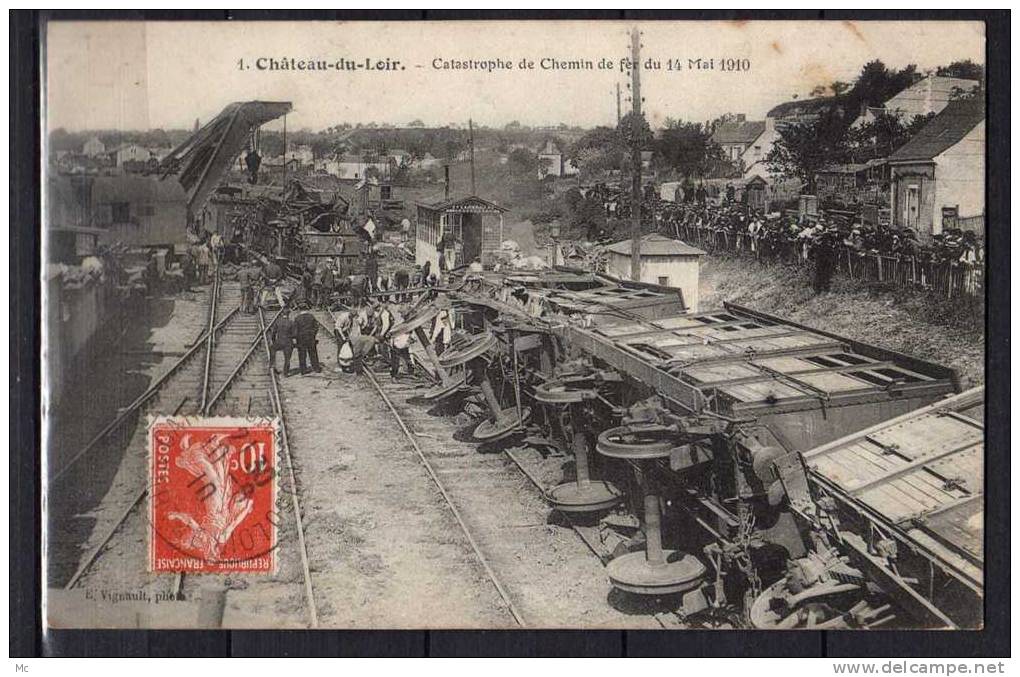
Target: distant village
(914, 160)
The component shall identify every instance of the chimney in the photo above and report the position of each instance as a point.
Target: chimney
(446, 181)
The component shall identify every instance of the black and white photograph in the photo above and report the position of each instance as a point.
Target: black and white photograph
(490, 325)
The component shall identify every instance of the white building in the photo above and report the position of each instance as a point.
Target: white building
(428, 161)
(354, 167)
(303, 154)
(94, 147)
(753, 157)
(398, 156)
(930, 95)
(937, 179)
(664, 261)
(132, 152)
(550, 161)
(735, 137)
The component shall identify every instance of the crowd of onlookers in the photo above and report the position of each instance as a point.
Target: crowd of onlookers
(766, 234)
(736, 226)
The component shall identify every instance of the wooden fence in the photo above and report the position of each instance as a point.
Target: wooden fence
(949, 279)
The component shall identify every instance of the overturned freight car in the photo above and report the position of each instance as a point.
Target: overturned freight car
(709, 427)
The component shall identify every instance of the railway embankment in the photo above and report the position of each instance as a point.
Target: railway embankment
(918, 324)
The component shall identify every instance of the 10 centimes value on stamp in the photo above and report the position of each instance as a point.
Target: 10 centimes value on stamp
(213, 491)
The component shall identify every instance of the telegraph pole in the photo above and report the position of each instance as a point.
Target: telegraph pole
(635, 156)
(618, 114)
(471, 146)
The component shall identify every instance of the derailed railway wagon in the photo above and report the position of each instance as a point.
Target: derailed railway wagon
(713, 432)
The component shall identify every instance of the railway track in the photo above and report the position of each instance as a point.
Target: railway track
(470, 483)
(122, 444)
(226, 372)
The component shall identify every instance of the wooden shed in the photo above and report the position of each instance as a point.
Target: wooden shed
(465, 229)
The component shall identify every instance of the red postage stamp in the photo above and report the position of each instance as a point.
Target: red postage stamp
(212, 505)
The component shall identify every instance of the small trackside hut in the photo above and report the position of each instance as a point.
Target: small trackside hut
(465, 229)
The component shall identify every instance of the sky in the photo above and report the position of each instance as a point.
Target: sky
(147, 75)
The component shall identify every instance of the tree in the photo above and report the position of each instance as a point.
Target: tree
(596, 151)
(523, 163)
(838, 88)
(686, 147)
(415, 123)
(803, 149)
(877, 84)
(966, 70)
(723, 119)
(884, 134)
(640, 134)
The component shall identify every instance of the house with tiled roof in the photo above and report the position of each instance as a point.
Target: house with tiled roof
(753, 159)
(735, 137)
(937, 178)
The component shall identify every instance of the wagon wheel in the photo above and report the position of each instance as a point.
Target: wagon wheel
(636, 442)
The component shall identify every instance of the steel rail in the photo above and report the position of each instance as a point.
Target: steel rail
(449, 502)
(93, 554)
(520, 466)
(241, 363)
(149, 393)
(517, 616)
(285, 448)
(210, 340)
(178, 583)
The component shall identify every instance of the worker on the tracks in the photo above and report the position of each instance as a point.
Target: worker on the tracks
(371, 270)
(307, 283)
(305, 329)
(441, 269)
(383, 321)
(359, 289)
(362, 348)
(202, 260)
(273, 271)
(316, 299)
(363, 318)
(400, 279)
(247, 291)
(283, 334)
(328, 281)
(442, 330)
(188, 269)
(216, 246)
(400, 354)
(251, 281)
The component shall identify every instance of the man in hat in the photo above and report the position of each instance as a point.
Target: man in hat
(306, 284)
(328, 281)
(247, 290)
(823, 250)
(400, 279)
(282, 339)
(305, 329)
(359, 289)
